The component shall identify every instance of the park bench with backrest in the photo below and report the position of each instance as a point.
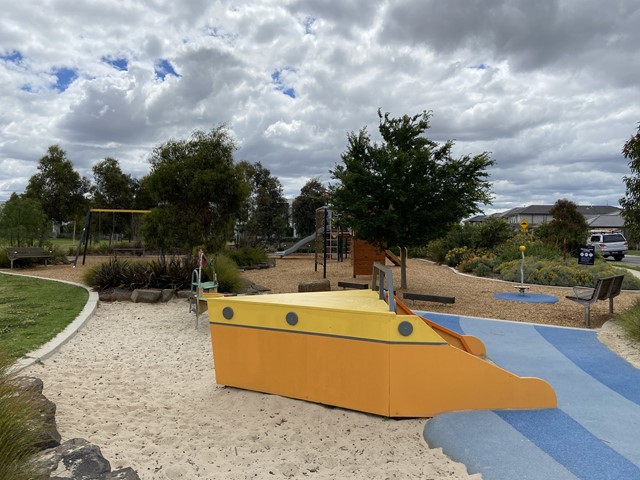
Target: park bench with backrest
(605, 289)
(15, 253)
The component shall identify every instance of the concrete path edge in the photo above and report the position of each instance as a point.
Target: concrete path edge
(53, 345)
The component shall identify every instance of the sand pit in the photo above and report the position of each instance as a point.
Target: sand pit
(138, 381)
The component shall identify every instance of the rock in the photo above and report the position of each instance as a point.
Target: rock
(122, 474)
(145, 296)
(78, 459)
(122, 295)
(167, 294)
(106, 296)
(315, 286)
(46, 409)
(183, 293)
(255, 289)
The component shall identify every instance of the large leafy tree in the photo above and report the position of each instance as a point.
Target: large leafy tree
(313, 195)
(59, 188)
(113, 189)
(568, 229)
(408, 189)
(631, 201)
(23, 222)
(198, 192)
(267, 214)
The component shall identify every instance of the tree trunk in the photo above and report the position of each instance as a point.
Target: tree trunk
(403, 268)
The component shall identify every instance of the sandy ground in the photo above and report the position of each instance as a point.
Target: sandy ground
(139, 381)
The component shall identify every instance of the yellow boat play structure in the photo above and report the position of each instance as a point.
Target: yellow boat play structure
(362, 350)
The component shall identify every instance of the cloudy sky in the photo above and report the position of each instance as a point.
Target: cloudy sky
(550, 88)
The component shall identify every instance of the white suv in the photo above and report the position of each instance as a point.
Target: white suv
(609, 244)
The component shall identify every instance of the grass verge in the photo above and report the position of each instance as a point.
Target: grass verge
(33, 311)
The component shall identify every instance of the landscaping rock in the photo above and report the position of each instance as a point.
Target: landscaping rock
(183, 294)
(122, 295)
(255, 289)
(145, 296)
(315, 286)
(46, 409)
(78, 459)
(167, 294)
(106, 296)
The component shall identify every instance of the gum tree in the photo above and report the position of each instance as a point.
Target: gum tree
(408, 189)
(197, 191)
(631, 202)
(313, 195)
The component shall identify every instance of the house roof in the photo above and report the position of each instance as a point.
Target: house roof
(586, 210)
(606, 221)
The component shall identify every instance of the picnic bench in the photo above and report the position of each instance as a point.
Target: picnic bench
(605, 288)
(139, 251)
(15, 253)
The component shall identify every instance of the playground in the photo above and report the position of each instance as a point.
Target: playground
(251, 432)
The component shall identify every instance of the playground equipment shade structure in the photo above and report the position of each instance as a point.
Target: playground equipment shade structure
(348, 349)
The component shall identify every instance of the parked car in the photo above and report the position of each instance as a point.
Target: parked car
(610, 244)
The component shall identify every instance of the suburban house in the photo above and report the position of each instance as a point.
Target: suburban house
(599, 217)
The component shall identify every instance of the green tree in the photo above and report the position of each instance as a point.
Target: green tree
(568, 229)
(491, 233)
(23, 222)
(58, 187)
(631, 201)
(408, 189)
(313, 195)
(267, 209)
(113, 189)
(198, 192)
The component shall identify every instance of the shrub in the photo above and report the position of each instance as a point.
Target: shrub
(20, 427)
(564, 274)
(510, 250)
(457, 255)
(436, 250)
(229, 278)
(630, 320)
(248, 256)
(174, 273)
(491, 233)
(4, 260)
(421, 252)
(481, 266)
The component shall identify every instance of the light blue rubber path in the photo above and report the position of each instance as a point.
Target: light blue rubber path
(594, 434)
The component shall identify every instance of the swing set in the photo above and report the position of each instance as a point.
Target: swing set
(86, 230)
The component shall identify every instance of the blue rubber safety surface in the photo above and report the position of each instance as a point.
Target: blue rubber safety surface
(527, 297)
(594, 434)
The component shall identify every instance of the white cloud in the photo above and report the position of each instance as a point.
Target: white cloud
(548, 88)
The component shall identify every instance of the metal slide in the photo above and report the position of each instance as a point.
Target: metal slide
(297, 246)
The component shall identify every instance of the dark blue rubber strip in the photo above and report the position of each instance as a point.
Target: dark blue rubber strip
(584, 349)
(570, 444)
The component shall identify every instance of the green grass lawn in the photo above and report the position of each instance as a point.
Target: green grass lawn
(33, 311)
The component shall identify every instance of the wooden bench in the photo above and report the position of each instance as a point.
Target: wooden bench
(131, 251)
(606, 288)
(14, 253)
(423, 297)
(357, 285)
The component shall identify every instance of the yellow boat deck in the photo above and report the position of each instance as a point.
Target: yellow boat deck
(345, 348)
